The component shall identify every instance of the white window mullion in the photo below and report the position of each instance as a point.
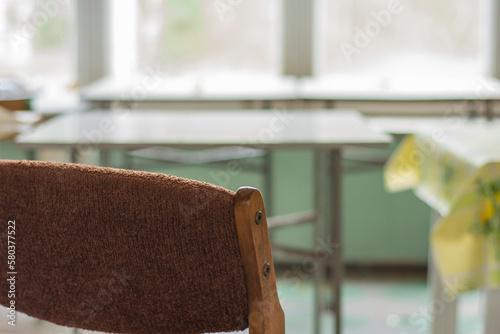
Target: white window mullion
(490, 36)
(297, 53)
(93, 40)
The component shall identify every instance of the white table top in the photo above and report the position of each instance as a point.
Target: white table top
(161, 88)
(404, 125)
(402, 89)
(198, 129)
(475, 142)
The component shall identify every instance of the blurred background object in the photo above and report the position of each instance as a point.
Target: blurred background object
(403, 64)
(13, 96)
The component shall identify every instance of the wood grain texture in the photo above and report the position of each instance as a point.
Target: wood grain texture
(265, 313)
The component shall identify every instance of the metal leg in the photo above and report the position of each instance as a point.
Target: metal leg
(472, 109)
(489, 110)
(268, 183)
(104, 157)
(128, 160)
(329, 104)
(74, 155)
(268, 186)
(30, 154)
(445, 320)
(328, 194)
(321, 208)
(337, 264)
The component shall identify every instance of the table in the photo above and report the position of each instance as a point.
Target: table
(326, 132)
(404, 125)
(377, 88)
(17, 122)
(157, 86)
(456, 170)
(155, 89)
(411, 95)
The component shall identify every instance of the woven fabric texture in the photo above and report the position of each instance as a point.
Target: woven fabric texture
(121, 251)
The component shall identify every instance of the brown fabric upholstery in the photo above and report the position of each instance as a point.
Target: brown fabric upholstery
(121, 251)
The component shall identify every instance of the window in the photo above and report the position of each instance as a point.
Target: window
(201, 38)
(37, 42)
(400, 38)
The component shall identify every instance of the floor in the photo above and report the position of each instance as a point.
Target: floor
(371, 305)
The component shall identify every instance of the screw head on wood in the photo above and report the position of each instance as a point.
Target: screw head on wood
(259, 216)
(267, 269)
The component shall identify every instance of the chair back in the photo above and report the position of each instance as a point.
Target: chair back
(131, 252)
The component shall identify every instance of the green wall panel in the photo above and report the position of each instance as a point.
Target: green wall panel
(378, 227)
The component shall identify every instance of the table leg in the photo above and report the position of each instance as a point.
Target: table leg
(491, 307)
(320, 228)
(489, 110)
(104, 157)
(268, 182)
(128, 160)
(444, 319)
(73, 155)
(337, 265)
(328, 192)
(30, 154)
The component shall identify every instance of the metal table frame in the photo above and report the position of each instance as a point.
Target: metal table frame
(328, 174)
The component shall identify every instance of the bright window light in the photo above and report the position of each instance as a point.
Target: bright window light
(388, 39)
(199, 38)
(37, 42)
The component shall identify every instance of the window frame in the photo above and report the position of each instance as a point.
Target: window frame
(299, 42)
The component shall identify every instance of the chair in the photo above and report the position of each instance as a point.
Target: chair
(134, 252)
(217, 157)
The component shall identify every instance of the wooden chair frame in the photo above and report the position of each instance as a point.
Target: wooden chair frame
(265, 313)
